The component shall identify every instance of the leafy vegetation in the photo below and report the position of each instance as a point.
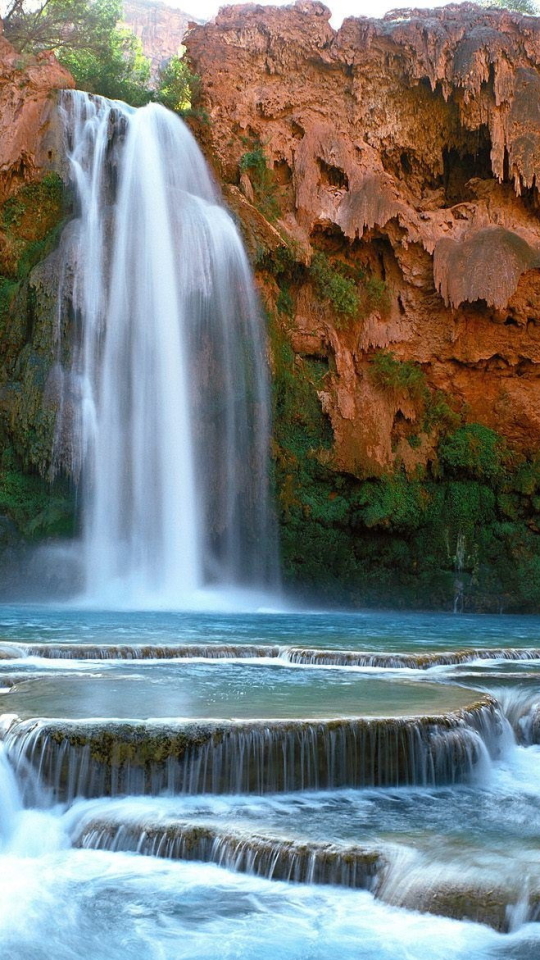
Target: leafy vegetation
(348, 289)
(120, 72)
(30, 223)
(177, 87)
(87, 37)
(520, 6)
(475, 452)
(471, 522)
(37, 508)
(254, 163)
(331, 285)
(392, 374)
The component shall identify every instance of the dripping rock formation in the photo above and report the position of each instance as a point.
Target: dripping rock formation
(386, 176)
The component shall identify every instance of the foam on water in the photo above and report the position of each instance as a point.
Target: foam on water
(125, 907)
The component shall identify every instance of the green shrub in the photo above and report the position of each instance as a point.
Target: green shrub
(254, 163)
(474, 451)
(36, 507)
(392, 374)
(177, 85)
(392, 502)
(332, 286)
(285, 302)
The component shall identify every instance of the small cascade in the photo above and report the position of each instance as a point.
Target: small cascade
(521, 707)
(11, 802)
(111, 758)
(275, 859)
(166, 404)
(413, 882)
(206, 651)
(396, 874)
(301, 656)
(411, 661)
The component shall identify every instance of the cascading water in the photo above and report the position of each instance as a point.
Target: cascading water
(168, 406)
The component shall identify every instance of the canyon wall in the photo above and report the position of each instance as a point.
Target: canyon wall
(386, 179)
(33, 208)
(159, 27)
(407, 150)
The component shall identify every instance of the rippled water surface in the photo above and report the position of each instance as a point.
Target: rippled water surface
(223, 691)
(376, 631)
(60, 903)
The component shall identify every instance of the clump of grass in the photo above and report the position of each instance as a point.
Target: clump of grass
(332, 286)
(391, 373)
(254, 163)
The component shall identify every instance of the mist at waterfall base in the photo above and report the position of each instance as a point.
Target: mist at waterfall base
(164, 413)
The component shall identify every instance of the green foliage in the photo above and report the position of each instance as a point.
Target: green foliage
(520, 6)
(401, 541)
(438, 413)
(281, 263)
(332, 286)
(8, 289)
(30, 223)
(285, 302)
(392, 374)
(49, 191)
(347, 288)
(61, 24)
(375, 293)
(394, 503)
(176, 85)
(120, 72)
(37, 508)
(473, 451)
(255, 165)
(103, 57)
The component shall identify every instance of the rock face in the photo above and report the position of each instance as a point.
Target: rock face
(407, 150)
(28, 138)
(32, 208)
(159, 27)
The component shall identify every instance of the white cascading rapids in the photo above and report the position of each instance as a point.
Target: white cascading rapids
(168, 391)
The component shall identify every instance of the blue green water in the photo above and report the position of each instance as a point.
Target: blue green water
(376, 631)
(58, 903)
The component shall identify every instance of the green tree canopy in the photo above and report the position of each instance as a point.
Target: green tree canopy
(520, 6)
(175, 84)
(103, 57)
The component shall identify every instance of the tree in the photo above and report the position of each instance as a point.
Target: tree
(103, 57)
(520, 6)
(61, 24)
(176, 84)
(120, 72)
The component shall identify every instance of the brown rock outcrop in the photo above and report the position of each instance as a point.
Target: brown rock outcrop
(159, 27)
(27, 135)
(408, 150)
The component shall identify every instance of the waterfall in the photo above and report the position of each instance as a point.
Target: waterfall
(97, 758)
(168, 404)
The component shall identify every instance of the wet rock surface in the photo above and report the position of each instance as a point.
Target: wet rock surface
(403, 148)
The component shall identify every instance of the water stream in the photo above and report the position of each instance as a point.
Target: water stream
(109, 866)
(226, 786)
(165, 412)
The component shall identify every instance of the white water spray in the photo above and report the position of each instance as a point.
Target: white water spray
(169, 394)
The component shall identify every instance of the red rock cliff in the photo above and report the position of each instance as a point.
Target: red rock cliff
(27, 139)
(408, 150)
